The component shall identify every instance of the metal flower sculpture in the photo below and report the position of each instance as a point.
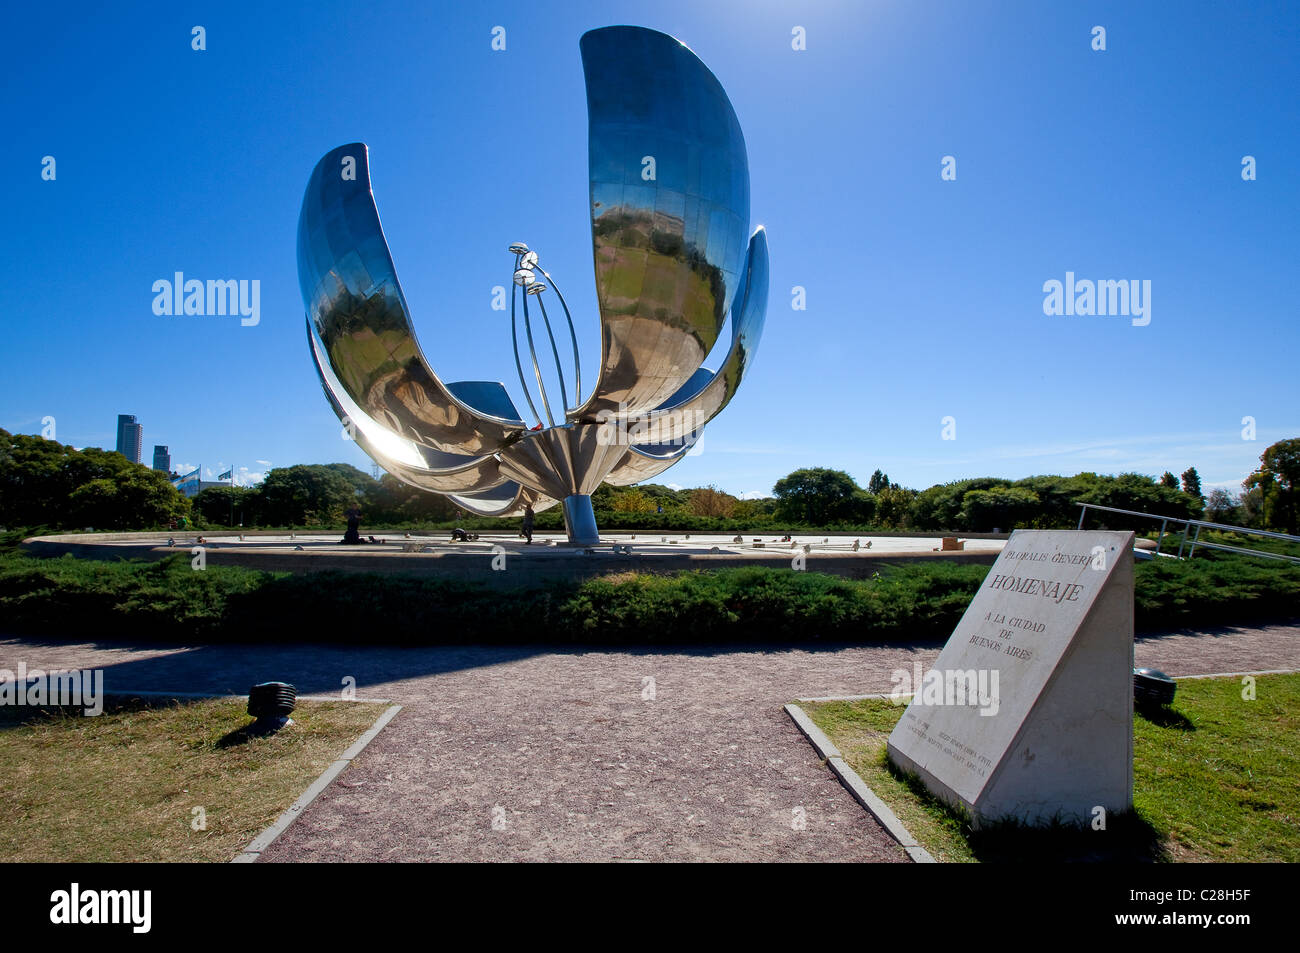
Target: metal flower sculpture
(669, 216)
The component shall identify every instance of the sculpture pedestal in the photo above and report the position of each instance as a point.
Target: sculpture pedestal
(580, 520)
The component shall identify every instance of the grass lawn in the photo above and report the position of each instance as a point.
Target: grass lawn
(1215, 779)
(123, 786)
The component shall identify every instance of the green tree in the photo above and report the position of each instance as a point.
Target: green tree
(940, 506)
(893, 506)
(396, 503)
(1169, 480)
(227, 505)
(43, 482)
(1133, 491)
(603, 497)
(137, 498)
(1057, 496)
(815, 496)
(1279, 476)
(1220, 507)
(1192, 482)
(755, 511)
(305, 495)
(664, 496)
(359, 479)
(1253, 504)
(865, 507)
(878, 482)
(1003, 508)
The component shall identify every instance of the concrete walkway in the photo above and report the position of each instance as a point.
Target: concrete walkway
(552, 753)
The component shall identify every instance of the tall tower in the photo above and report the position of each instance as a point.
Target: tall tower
(162, 459)
(129, 434)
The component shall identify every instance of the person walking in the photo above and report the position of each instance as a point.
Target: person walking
(527, 528)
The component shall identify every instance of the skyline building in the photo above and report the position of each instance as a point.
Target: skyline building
(129, 437)
(162, 459)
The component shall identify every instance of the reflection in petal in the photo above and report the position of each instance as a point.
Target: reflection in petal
(420, 466)
(669, 212)
(670, 205)
(509, 499)
(353, 298)
(684, 414)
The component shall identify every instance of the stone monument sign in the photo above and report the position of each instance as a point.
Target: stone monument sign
(1028, 711)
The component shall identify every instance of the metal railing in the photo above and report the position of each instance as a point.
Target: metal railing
(1194, 527)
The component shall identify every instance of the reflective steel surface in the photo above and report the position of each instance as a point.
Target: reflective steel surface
(669, 214)
(509, 499)
(677, 419)
(354, 300)
(410, 462)
(580, 520)
(561, 461)
(637, 466)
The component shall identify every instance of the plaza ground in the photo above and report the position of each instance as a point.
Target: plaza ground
(567, 747)
(543, 545)
(547, 558)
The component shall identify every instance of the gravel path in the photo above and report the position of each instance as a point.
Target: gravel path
(553, 753)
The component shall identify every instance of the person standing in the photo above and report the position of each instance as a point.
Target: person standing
(527, 528)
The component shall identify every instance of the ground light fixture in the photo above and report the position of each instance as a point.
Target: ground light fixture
(271, 704)
(1152, 689)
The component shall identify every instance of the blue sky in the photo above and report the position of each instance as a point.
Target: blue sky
(924, 296)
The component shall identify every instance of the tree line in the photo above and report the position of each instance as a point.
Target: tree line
(44, 483)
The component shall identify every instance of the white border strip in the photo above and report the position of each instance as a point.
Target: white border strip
(857, 787)
(121, 693)
(265, 839)
(1273, 671)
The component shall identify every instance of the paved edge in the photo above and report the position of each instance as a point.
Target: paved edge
(268, 837)
(857, 787)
